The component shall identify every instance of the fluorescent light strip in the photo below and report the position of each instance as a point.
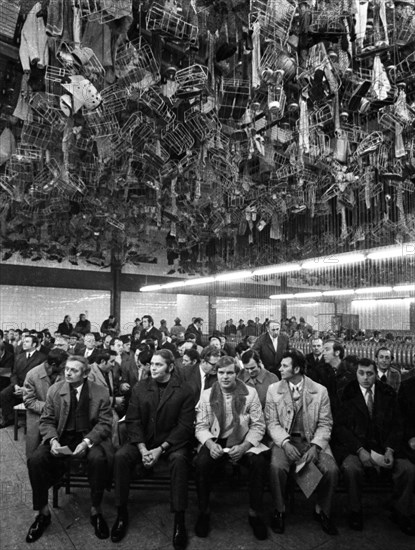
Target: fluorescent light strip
(374, 289)
(232, 276)
(308, 294)
(274, 269)
(333, 260)
(281, 296)
(404, 288)
(401, 250)
(345, 292)
(202, 281)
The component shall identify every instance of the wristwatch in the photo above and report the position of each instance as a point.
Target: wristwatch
(163, 448)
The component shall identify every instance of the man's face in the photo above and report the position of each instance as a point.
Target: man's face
(222, 342)
(126, 347)
(329, 354)
(58, 367)
(215, 342)
(317, 346)
(27, 344)
(199, 324)
(252, 368)
(11, 336)
(89, 342)
(286, 369)
(117, 346)
(227, 377)
(74, 373)
(82, 318)
(107, 341)
(208, 364)
(274, 329)
(106, 366)
(146, 323)
(72, 340)
(366, 376)
(61, 343)
(159, 369)
(186, 361)
(384, 360)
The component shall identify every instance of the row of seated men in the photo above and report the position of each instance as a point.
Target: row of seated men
(247, 416)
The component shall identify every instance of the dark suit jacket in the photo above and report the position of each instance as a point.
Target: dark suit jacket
(354, 428)
(80, 350)
(271, 358)
(6, 363)
(64, 328)
(153, 333)
(191, 329)
(22, 366)
(406, 401)
(191, 375)
(152, 422)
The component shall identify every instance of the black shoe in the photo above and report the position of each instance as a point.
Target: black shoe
(202, 525)
(278, 523)
(100, 525)
(179, 536)
(326, 523)
(356, 521)
(38, 527)
(405, 523)
(258, 527)
(119, 528)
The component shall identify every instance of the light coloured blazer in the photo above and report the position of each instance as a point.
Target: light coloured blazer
(251, 420)
(95, 375)
(317, 417)
(35, 388)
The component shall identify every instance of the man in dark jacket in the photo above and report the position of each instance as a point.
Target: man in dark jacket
(271, 345)
(369, 432)
(406, 400)
(159, 421)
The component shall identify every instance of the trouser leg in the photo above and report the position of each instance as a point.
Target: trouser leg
(205, 468)
(353, 472)
(97, 473)
(179, 466)
(125, 460)
(257, 467)
(279, 470)
(403, 477)
(44, 471)
(327, 486)
(7, 401)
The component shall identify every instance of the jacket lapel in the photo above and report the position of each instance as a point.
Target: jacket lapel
(168, 392)
(66, 403)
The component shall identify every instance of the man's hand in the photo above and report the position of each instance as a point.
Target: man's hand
(236, 452)
(364, 457)
(54, 446)
(81, 449)
(125, 387)
(411, 443)
(311, 455)
(291, 452)
(151, 458)
(216, 450)
(119, 400)
(389, 458)
(18, 390)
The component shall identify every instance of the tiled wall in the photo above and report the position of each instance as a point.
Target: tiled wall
(40, 307)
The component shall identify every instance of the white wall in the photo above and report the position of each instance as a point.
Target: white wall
(383, 314)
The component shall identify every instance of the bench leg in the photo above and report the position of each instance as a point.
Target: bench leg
(16, 425)
(55, 498)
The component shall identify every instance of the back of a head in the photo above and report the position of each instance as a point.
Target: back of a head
(57, 356)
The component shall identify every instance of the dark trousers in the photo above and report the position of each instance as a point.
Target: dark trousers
(403, 478)
(45, 470)
(205, 473)
(7, 401)
(128, 457)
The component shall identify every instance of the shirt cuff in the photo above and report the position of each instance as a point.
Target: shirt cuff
(88, 442)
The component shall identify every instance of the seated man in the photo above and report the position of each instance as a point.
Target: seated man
(369, 422)
(254, 374)
(77, 414)
(230, 426)
(299, 422)
(35, 388)
(202, 376)
(159, 421)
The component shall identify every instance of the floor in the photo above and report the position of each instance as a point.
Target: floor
(151, 523)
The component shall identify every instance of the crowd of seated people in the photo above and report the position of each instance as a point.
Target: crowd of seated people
(200, 403)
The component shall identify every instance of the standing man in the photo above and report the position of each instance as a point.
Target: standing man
(149, 330)
(77, 414)
(83, 326)
(196, 328)
(271, 346)
(159, 422)
(369, 422)
(177, 329)
(385, 371)
(23, 363)
(315, 359)
(230, 426)
(299, 422)
(6, 365)
(38, 381)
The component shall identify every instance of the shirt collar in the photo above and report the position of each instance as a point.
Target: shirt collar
(364, 391)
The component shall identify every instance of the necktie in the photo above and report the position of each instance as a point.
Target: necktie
(29, 355)
(369, 401)
(383, 378)
(296, 393)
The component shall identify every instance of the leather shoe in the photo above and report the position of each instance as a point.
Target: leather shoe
(258, 527)
(278, 523)
(326, 523)
(179, 536)
(38, 527)
(119, 528)
(202, 525)
(100, 525)
(356, 521)
(405, 523)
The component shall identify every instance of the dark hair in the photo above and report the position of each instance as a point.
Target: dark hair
(198, 320)
(166, 354)
(2, 345)
(250, 354)
(210, 351)
(57, 356)
(383, 348)
(297, 358)
(104, 355)
(241, 347)
(149, 319)
(1, 333)
(336, 347)
(190, 336)
(227, 361)
(145, 356)
(35, 339)
(366, 362)
(113, 340)
(192, 354)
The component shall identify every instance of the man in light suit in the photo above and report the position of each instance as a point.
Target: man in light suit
(271, 345)
(299, 422)
(23, 362)
(35, 388)
(230, 425)
(77, 414)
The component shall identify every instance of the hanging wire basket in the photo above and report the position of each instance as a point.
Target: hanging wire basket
(105, 11)
(171, 24)
(136, 66)
(176, 138)
(274, 17)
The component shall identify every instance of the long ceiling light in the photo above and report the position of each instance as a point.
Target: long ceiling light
(404, 288)
(373, 290)
(397, 251)
(233, 275)
(281, 296)
(308, 294)
(345, 292)
(333, 261)
(274, 269)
